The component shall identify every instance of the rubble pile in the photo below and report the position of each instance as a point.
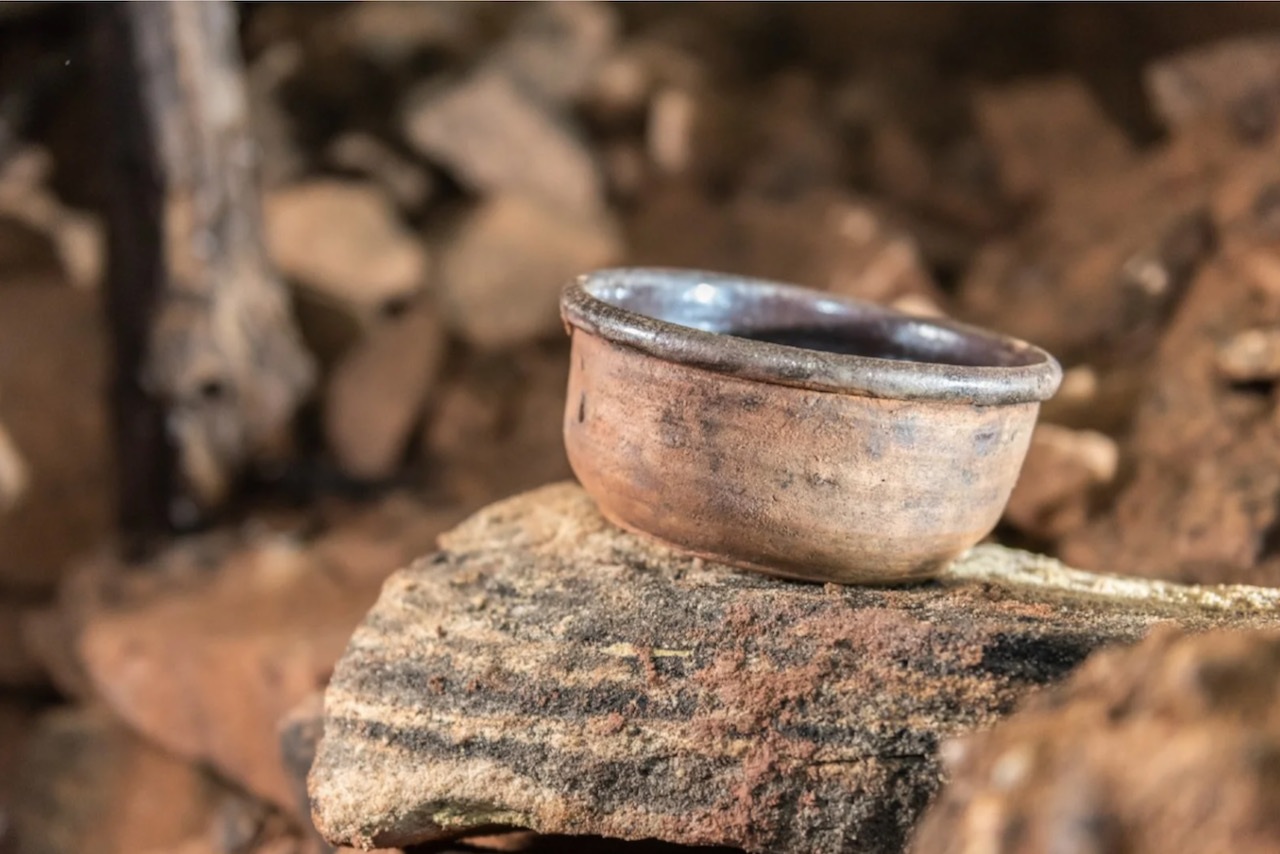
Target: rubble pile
(1102, 181)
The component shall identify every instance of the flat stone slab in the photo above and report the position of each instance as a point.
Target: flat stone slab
(547, 670)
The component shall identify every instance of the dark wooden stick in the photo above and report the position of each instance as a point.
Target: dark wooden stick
(209, 367)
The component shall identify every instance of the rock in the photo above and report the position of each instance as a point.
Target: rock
(89, 784)
(272, 839)
(1096, 399)
(280, 161)
(344, 240)
(534, 843)
(902, 166)
(913, 92)
(827, 241)
(626, 168)
(1251, 356)
(1207, 516)
(498, 428)
(376, 394)
(1046, 132)
(797, 150)
(547, 670)
(363, 550)
(50, 633)
(918, 305)
(620, 89)
(1165, 748)
(300, 730)
(13, 471)
(917, 148)
(1113, 253)
(1063, 470)
(26, 255)
(208, 649)
(1237, 79)
(776, 140)
(18, 668)
(76, 236)
(669, 135)
(403, 180)
(499, 140)
(555, 49)
(52, 359)
(705, 138)
(391, 32)
(501, 273)
(47, 639)
(270, 625)
(242, 823)
(1199, 503)
(864, 255)
(17, 720)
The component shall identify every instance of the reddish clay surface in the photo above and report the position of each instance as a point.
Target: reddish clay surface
(800, 483)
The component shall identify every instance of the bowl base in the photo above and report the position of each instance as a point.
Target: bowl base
(850, 577)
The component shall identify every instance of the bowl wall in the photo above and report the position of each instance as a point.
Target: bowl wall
(807, 484)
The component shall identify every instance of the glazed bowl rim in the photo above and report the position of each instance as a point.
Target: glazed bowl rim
(818, 370)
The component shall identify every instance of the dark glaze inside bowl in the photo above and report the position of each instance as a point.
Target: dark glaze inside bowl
(795, 317)
(782, 333)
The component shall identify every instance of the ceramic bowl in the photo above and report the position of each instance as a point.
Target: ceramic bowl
(790, 431)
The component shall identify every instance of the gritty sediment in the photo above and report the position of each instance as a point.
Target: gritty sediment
(548, 670)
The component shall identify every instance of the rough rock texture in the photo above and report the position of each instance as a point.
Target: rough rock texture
(1171, 747)
(548, 670)
(300, 732)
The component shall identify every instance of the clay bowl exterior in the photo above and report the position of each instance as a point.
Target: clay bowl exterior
(789, 431)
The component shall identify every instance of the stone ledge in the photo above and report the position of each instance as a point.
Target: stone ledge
(547, 670)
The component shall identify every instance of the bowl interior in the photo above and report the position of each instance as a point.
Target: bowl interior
(796, 317)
